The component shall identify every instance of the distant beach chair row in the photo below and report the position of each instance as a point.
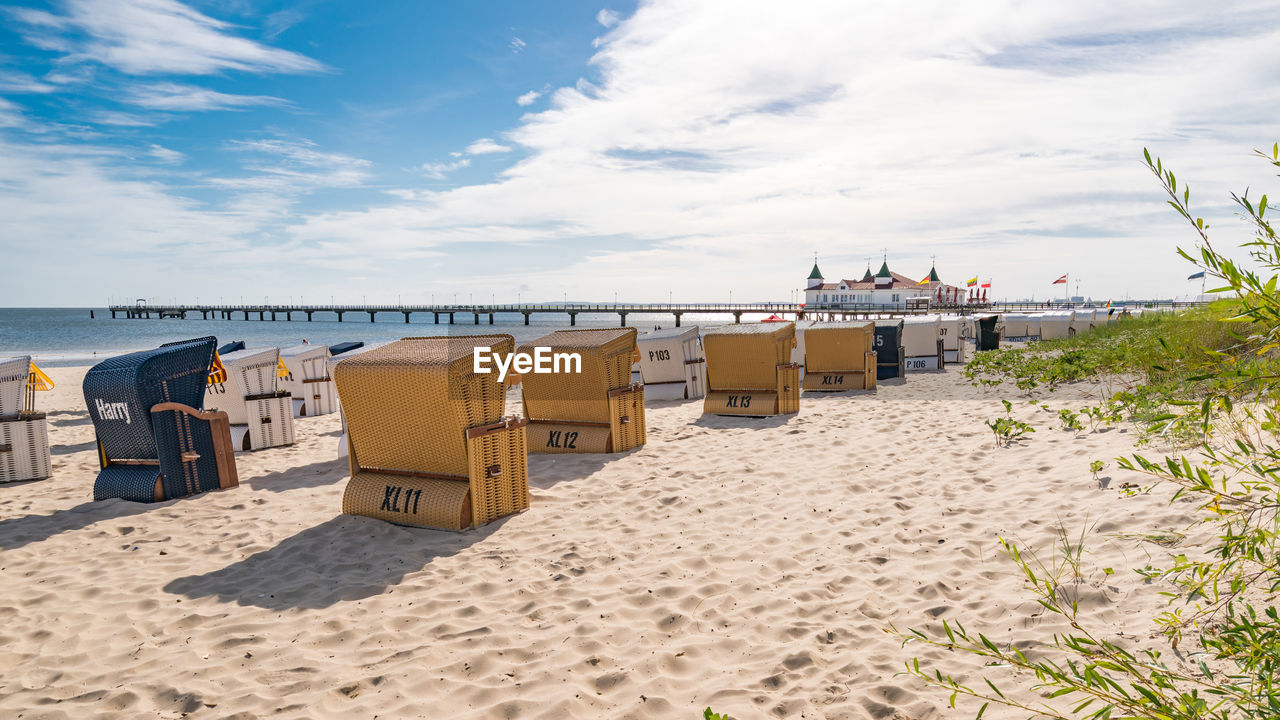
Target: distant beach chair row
(429, 439)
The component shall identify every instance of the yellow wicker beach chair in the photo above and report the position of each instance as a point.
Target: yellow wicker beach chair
(429, 445)
(840, 356)
(595, 410)
(749, 370)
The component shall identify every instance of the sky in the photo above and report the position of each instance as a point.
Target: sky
(407, 152)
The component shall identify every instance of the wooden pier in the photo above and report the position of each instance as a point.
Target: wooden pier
(451, 312)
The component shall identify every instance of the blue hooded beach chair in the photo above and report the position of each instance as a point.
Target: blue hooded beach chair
(154, 440)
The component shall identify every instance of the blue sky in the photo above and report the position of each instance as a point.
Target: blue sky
(399, 149)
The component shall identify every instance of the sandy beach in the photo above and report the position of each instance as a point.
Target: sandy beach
(746, 564)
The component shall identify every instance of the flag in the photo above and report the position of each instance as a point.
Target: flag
(925, 281)
(972, 281)
(1060, 281)
(986, 284)
(1197, 276)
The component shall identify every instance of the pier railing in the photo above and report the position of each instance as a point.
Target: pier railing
(450, 311)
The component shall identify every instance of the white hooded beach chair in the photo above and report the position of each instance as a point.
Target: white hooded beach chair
(1033, 326)
(309, 381)
(955, 337)
(1056, 324)
(1015, 326)
(24, 436)
(1082, 321)
(922, 343)
(671, 364)
(260, 413)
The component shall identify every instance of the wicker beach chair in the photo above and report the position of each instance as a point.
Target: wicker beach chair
(154, 440)
(261, 414)
(749, 370)
(597, 410)
(671, 364)
(891, 355)
(308, 381)
(24, 436)
(429, 445)
(839, 356)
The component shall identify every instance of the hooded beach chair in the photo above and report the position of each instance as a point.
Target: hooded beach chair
(308, 380)
(429, 443)
(261, 414)
(154, 440)
(839, 356)
(891, 357)
(671, 364)
(955, 337)
(24, 435)
(1057, 324)
(596, 410)
(922, 342)
(988, 332)
(749, 370)
(1016, 326)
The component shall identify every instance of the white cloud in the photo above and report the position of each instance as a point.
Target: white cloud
(528, 98)
(153, 36)
(740, 137)
(165, 155)
(123, 119)
(607, 17)
(19, 82)
(1003, 139)
(439, 170)
(517, 45)
(10, 114)
(191, 98)
(486, 146)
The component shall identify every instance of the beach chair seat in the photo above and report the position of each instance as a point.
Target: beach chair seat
(155, 442)
(839, 356)
(671, 364)
(596, 410)
(24, 434)
(749, 370)
(429, 445)
(261, 414)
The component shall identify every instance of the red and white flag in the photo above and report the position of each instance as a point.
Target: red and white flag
(1060, 281)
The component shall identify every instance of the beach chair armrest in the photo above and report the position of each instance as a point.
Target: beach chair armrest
(195, 449)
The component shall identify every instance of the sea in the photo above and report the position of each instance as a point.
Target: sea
(61, 337)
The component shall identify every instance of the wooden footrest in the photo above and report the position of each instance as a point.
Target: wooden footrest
(563, 437)
(741, 402)
(408, 500)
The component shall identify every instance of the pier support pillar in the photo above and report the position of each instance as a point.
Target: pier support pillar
(339, 315)
(406, 318)
(737, 317)
(308, 316)
(261, 316)
(573, 319)
(370, 316)
(526, 318)
(437, 318)
(450, 318)
(490, 318)
(90, 314)
(678, 319)
(246, 315)
(622, 319)
(273, 316)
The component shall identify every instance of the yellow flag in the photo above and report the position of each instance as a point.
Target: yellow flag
(38, 380)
